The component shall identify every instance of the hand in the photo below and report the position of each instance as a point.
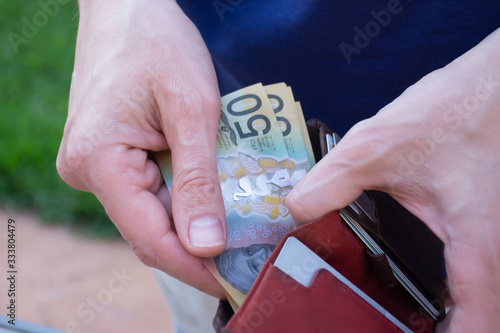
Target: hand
(144, 81)
(435, 149)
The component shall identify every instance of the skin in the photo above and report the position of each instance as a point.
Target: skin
(435, 149)
(144, 81)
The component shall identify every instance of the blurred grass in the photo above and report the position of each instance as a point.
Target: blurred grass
(34, 89)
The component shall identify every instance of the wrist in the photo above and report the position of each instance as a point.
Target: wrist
(102, 13)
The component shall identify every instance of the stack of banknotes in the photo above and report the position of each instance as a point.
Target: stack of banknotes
(263, 150)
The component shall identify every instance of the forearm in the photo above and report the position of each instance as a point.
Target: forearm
(107, 20)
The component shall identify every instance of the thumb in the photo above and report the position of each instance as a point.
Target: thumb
(336, 181)
(324, 189)
(197, 204)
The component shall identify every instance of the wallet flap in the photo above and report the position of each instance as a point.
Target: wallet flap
(335, 243)
(283, 305)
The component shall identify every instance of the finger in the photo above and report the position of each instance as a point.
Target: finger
(166, 199)
(335, 182)
(128, 185)
(65, 164)
(322, 191)
(197, 204)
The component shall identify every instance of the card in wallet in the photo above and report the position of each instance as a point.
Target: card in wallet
(414, 253)
(300, 263)
(279, 303)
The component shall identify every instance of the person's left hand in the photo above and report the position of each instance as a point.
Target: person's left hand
(436, 150)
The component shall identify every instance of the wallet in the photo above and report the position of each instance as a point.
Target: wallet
(278, 303)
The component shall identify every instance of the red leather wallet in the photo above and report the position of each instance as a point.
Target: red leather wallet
(277, 303)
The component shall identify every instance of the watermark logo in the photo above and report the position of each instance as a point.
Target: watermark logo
(373, 28)
(223, 6)
(93, 305)
(453, 118)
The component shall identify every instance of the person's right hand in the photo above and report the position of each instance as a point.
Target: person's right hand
(144, 81)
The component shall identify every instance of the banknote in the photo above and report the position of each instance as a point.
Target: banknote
(256, 173)
(261, 155)
(289, 119)
(305, 134)
(254, 168)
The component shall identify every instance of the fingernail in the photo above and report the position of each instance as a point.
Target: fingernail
(206, 231)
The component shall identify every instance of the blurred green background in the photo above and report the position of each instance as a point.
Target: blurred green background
(36, 66)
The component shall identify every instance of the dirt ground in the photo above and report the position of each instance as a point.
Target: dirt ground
(76, 284)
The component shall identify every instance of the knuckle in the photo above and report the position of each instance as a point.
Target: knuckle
(196, 187)
(362, 129)
(212, 102)
(194, 101)
(73, 160)
(62, 167)
(193, 113)
(296, 207)
(66, 164)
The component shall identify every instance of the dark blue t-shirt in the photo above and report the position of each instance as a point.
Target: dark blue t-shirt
(344, 59)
